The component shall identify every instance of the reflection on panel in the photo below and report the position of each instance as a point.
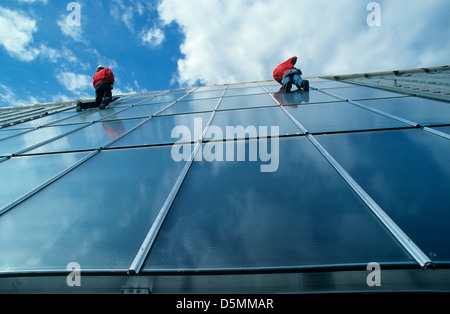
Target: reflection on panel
(166, 130)
(420, 110)
(88, 138)
(97, 215)
(191, 106)
(29, 139)
(139, 111)
(244, 91)
(249, 123)
(25, 173)
(89, 115)
(197, 95)
(164, 98)
(230, 214)
(247, 101)
(6, 133)
(325, 84)
(299, 97)
(407, 173)
(52, 118)
(360, 92)
(341, 116)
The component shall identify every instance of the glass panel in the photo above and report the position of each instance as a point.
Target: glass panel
(202, 95)
(164, 98)
(89, 115)
(238, 102)
(272, 88)
(139, 111)
(191, 106)
(210, 88)
(47, 119)
(158, 130)
(244, 91)
(18, 143)
(25, 173)
(408, 174)
(243, 85)
(341, 116)
(230, 215)
(326, 84)
(251, 120)
(420, 110)
(91, 137)
(133, 99)
(97, 215)
(8, 133)
(298, 97)
(360, 92)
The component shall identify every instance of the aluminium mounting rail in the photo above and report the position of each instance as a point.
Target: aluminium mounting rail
(144, 250)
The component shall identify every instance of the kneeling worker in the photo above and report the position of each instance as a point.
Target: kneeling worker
(287, 75)
(103, 82)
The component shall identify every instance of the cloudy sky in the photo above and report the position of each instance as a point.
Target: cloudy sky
(49, 49)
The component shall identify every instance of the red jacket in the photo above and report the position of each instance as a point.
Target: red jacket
(283, 68)
(105, 75)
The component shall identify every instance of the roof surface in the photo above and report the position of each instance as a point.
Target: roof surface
(236, 188)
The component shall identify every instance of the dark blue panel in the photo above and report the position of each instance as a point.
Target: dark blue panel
(407, 172)
(229, 214)
(158, 130)
(361, 92)
(97, 215)
(445, 129)
(299, 97)
(419, 110)
(340, 116)
(251, 120)
(89, 138)
(248, 101)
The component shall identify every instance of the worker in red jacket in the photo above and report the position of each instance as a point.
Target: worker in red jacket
(103, 82)
(287, 74)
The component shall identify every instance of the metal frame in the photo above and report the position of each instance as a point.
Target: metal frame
(420, 257)
(140, 257)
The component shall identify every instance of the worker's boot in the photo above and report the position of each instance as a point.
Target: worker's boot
(105, 102)
(79, 107)
(305, 85)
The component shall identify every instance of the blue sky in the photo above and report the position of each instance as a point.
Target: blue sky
(166, 44)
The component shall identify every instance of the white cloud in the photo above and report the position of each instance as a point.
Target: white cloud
(79, 84)
(74, 32)
(33, 1)
(16, 34)
(9, 98)
(126, 12)
(243, 40)
(152, 37)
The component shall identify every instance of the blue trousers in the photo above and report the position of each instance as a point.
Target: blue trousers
(291, 77)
